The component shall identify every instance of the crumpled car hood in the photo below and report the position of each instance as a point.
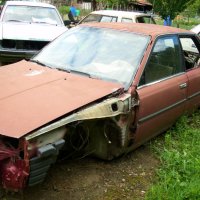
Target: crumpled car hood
(32, 95)
(33, 32)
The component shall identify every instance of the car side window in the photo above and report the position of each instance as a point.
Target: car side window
(127, 20)
(114, 19)
(146, 20)
(191, 52)
(92, 18)
(108, 19)
(140, 20)
(164, 61)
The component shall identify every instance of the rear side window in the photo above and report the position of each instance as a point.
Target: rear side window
(108, 19)
(146, 20)
(191, 52)
(164, 61)
(127, 20)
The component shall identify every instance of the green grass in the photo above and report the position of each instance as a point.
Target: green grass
(184, 24)
(178, 178)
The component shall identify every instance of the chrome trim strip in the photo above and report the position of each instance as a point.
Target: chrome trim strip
(161, 111)
(194, 95)
(17, 51)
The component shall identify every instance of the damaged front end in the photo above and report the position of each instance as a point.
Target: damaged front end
(102, 130)
(14, 164)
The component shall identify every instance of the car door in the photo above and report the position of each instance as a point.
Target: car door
(162, 89)
(191, 53)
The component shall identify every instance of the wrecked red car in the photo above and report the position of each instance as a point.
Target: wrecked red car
(98, 89)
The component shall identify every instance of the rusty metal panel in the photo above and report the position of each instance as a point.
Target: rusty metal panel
(32, 96)
(149, 29)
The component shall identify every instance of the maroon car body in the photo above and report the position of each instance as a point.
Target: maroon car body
(47, 110)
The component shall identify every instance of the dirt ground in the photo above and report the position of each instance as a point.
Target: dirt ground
(127, 177)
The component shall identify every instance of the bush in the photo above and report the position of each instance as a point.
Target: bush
(64, 10)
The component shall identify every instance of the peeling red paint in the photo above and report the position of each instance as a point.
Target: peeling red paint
(14, 174)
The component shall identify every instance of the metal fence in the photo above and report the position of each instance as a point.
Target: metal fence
(85, 6)
(101, 6)
(123, 7)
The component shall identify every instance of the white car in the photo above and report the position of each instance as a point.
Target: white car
(26, 27)
(196, 29)
(118, 16)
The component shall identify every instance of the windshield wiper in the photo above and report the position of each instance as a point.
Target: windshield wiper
(15, 20)
(63, 70)
(38, 62)
(80, 72)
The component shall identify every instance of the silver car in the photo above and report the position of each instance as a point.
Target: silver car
(26, 27)
(118, 16)
(196, 29)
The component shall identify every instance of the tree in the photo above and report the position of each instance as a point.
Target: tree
(2, 2)
(194, 8)
(170, 7)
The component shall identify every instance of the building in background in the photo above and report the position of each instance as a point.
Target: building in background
(141, 5)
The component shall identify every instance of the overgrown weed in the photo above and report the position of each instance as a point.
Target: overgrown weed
(179, 173)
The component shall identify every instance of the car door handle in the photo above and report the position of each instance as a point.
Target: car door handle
(183, 85)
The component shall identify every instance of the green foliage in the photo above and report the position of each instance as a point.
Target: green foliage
(183, 23)
(179, 175)
(170, 7)
(64, 10)
(2, 2)
(193, 9)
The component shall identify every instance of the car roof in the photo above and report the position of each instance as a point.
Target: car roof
(140, 28)
(29, 3)
(119, 13)
(196, 29)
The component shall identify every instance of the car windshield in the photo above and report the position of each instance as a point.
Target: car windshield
(92, 18)
(31, 14)
(98, 52)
